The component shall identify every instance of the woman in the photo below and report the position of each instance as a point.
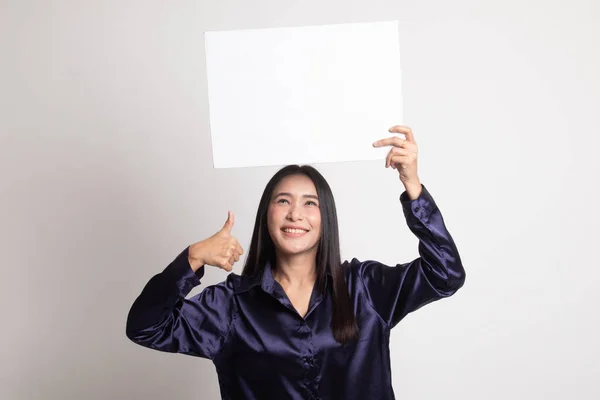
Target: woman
(298, 323)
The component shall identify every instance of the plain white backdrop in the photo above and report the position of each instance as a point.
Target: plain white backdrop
(106, 175)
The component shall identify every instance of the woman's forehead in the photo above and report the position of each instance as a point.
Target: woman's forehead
(296, 185)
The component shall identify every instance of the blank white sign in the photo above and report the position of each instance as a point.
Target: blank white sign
(302, 95)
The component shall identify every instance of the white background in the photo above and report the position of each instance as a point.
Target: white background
(106, 175)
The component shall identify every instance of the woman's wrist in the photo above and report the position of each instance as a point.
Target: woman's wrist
(413, 189)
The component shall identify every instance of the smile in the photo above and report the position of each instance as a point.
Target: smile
(294, 231)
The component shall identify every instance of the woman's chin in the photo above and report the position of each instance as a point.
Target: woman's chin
(288, 251)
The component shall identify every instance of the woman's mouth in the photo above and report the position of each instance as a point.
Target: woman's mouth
(294, 232)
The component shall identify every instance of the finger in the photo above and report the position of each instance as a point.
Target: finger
(236, 257)
(400, 162)
(391, 141)
(229, 223)
(395, 152)
(224, 260)
(398, 151)
(235, 247)
(407, 131)
(412, 147)
(227, 264)
(239, 248)
(232, 261)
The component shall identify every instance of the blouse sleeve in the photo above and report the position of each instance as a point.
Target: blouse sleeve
(161, 318)
(395, 291)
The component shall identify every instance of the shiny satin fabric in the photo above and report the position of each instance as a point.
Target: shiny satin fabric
(263, 349)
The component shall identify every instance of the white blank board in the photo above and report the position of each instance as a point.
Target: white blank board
(302, 95)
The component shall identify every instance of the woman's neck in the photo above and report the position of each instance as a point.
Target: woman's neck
(296, 271)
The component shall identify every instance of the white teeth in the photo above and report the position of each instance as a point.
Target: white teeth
(288, 230)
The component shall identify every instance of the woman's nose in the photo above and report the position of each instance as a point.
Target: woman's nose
(294, 214)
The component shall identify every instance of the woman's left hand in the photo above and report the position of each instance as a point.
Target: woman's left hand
(403, 157)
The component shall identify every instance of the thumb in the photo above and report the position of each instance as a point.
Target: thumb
(229, 223)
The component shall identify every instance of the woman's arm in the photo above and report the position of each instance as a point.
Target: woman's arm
(437, 273)
(161, 318)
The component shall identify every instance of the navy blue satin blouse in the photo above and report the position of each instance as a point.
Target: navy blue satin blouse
(263, 349)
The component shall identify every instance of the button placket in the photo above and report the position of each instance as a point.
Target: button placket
(309, 362)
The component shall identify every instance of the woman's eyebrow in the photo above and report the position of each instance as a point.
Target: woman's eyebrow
(311, 196)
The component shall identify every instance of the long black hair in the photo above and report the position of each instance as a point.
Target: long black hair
(328, 258)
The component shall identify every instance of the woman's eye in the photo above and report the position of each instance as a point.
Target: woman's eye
(312, 203)
(282, 200)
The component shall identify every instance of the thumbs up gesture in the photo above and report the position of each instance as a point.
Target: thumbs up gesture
(220, 250)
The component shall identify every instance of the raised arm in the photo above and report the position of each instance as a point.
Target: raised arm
(438, 272)
(395, 291)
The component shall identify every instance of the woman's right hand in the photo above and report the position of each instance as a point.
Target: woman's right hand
(220, 250)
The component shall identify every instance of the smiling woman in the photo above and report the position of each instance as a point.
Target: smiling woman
(299, 198)
(294, 214)
(299, 323)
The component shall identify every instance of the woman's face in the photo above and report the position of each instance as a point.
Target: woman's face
(294, 217)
